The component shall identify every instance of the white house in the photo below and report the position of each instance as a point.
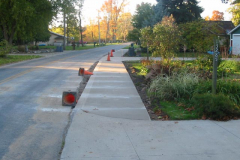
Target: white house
(54, 40)
(235, 40)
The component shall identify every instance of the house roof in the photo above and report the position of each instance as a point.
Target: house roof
(59, 35)
(234, 29)
(224, 27)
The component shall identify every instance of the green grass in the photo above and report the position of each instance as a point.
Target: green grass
(140, 70)
(16, 58)
(178, 113)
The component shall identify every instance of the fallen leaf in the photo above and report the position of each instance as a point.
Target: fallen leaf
(204, 117)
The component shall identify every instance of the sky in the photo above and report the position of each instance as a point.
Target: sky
(91, 6)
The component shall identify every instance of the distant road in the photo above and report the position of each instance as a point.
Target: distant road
(32, 120)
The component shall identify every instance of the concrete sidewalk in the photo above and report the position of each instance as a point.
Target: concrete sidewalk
(111, 123)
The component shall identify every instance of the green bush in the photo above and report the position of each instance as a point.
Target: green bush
(228, 67)
(4, 48)
(205, 62)
(178, 86)
(32, 47)
(21, 48)
(228, 88)
(215, 106)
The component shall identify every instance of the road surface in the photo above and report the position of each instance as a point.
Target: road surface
(33, 122)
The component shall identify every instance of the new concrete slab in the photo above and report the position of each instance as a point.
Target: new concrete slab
(110, 122)
(98, 137)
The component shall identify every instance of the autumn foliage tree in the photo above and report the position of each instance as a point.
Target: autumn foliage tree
(217, 16)
(91, 32)
(112, 9)
(124, 25)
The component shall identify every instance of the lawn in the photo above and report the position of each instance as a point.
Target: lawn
(16, 58)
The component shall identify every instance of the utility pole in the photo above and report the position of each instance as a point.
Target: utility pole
(64, 26)
(99, 35)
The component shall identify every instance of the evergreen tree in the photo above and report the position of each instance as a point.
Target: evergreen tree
(144, 16)
(182, 10)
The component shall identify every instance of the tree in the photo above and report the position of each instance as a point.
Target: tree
(182, 10)
(235, 10)
(207, 18)
(58, 29)
(159, 12)
(24, 18)
(113, 9)
(124, 25)
(166, 38)
(134, 35)
(147, 38)
(144, 14)
(80, 6)
(198, 35)
(217, 16)
(66, 7)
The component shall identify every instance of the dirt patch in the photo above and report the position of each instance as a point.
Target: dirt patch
(153, 107)
(85, 80)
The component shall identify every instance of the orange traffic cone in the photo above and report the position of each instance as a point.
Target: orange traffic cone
(82, 72)
(108, 58)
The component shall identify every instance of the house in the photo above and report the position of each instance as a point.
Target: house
(235, 40)
(54, 40)
(221, 30)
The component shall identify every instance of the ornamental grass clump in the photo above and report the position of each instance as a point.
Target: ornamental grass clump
(175, 87)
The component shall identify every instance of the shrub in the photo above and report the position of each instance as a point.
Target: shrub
(33, 47)
(229, 88)
(21, 48)
(4, 48)
(164, 66)
(205, 62)
(228, 67)
(215, 106)
(176, 87)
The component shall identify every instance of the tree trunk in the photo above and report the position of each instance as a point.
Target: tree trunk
(81, 29)
(67, 30)
(8, 36)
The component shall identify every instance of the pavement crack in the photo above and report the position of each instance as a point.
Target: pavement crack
(131, 142)
(226, 130)
(70, 117)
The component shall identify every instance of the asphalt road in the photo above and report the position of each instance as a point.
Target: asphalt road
(33, 122)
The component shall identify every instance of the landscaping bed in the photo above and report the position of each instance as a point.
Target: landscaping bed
(196, 102)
